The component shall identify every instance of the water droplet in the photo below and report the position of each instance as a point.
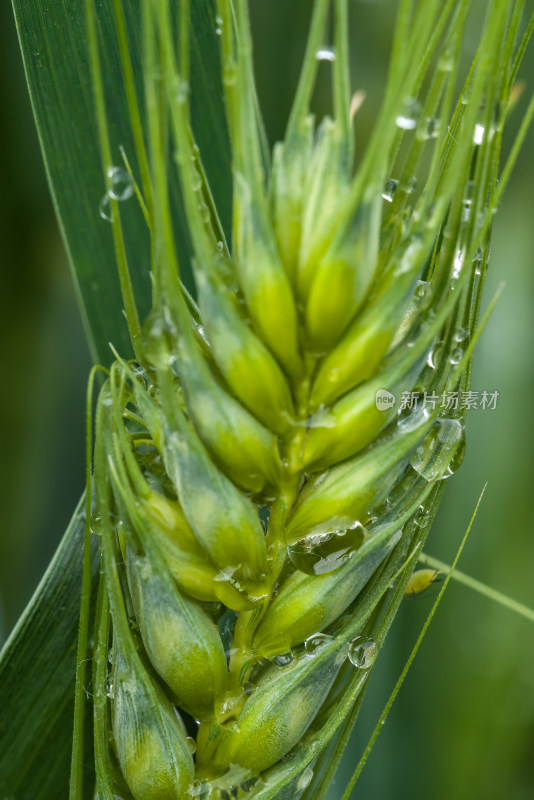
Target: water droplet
(121, 184)
(362, 652)
(422, 289)
(478, 135)
(191, 744)
(321, 553)
(407, 119)
(456, 355)
(415, 419)
(109, 687)
(182, 91)
(422, 517)
(96, 524)
(229, 703)
(466, 209)
(105, 210)
(282, 660)
(446, 62)
(406, 123)
(205, 212)
(429, 128)
(410, 185)
(316, 642)
(202, 333)
(219, 25)
(229, 73)
(457, 265)
(196, 180)
(461, 334)
(390, 187)
(198, 789)
(305, 779)
(325, 54)
(441, 452)
(468, 201)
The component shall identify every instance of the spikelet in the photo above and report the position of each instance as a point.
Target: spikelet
(269, 466)
(151, 744)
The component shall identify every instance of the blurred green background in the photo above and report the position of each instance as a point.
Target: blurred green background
(463, 725)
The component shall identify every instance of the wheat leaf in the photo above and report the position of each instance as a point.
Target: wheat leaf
(53, 39)
(37, 671)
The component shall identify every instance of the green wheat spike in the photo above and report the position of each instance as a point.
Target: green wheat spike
(268, 467)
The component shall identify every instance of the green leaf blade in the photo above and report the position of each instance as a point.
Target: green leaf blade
(53, 40)
(37, 669)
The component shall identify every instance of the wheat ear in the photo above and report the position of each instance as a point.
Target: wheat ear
(260, 493)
